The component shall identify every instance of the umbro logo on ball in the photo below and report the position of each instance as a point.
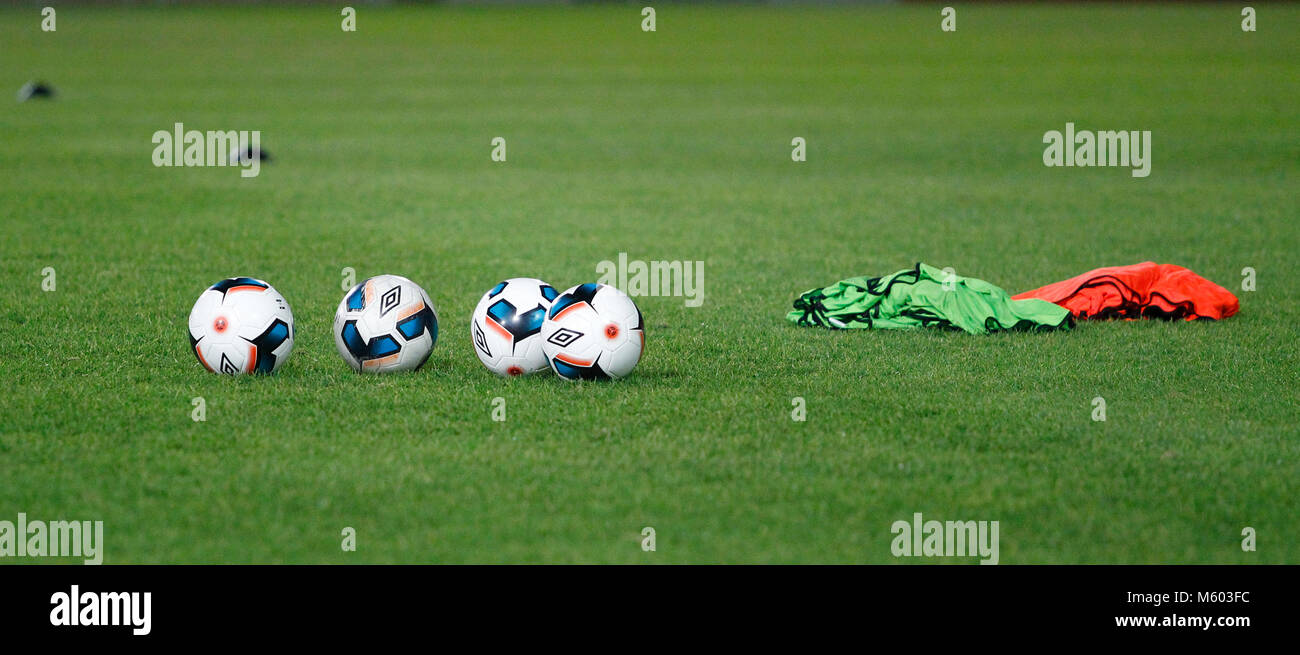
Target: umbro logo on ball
(390, 300)
(564, 337)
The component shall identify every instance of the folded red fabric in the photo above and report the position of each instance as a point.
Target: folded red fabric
(1146, 290)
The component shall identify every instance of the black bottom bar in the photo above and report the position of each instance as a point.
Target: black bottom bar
(808, 605)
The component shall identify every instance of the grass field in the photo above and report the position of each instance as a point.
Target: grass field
(672, 145)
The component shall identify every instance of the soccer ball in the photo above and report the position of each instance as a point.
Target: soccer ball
(506, 324)
(384, 324)
(593, 332)
(241, 325)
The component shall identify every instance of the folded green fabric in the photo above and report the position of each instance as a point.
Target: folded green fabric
(924, 296)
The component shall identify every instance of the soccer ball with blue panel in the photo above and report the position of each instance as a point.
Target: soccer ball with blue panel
(241, 325)
(593, 332)
(384, 324)
(506, 326)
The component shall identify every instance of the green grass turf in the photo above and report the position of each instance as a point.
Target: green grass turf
(673, 145)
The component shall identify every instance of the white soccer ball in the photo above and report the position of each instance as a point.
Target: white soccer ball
(241, 325)
(593, 332)
(507, 324)
(384, 324)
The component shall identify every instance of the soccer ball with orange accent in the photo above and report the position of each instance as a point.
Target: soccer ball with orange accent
(241, 325)
(593, 332)
(385, 324)
(506, 323)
